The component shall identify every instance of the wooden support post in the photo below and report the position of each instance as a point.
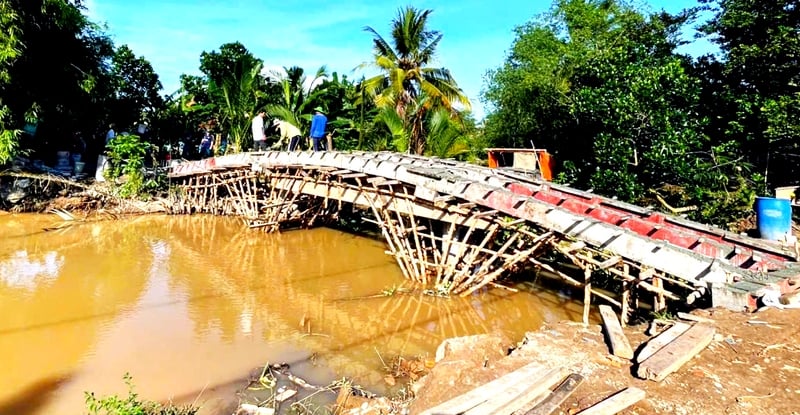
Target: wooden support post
(659, 302)
(626, 297)
(587, 294)
(620, 346)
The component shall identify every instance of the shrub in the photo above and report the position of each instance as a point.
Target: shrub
(132, 405)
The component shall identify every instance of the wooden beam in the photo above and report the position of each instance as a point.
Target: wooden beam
(615, 403)
(675, 354)
(517, 396)
(560, 394)
(692, 317)
(609, 262)
(353, 175)
(361, 197)
(485, 213)
(481, 394)
(656, 343)
(620, 346)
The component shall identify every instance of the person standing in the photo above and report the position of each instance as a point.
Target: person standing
(259, 138)
(288, 134)
(111, 134)
(318, 124)
(206, 143)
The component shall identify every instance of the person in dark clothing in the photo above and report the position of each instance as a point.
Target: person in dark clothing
(318, 124)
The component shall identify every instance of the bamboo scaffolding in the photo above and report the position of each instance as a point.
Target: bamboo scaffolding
(458, 255)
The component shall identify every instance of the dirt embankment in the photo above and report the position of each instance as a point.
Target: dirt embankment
(751, 367)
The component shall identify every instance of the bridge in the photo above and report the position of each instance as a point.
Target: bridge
(458, 227)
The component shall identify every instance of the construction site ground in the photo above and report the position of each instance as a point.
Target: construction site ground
(751, 367)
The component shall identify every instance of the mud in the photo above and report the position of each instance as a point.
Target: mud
(748, 368)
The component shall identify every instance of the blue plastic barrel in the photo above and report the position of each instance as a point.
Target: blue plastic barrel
(773, 217)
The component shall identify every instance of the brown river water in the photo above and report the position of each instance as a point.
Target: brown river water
(190, 305)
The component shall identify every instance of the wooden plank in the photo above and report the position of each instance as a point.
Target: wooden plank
(615, 403)
(675, 354)
(609, 262)
(619, 343)
(554, 400)
(656, 343)
(517, 396)
(575, 246)
(481, 394)
(692, 317)
(486, 213)
(353, 175)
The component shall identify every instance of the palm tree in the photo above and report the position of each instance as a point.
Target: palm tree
(297, 100)
(236, 98)
(406, 79)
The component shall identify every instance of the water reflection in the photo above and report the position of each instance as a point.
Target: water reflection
(194, 303)
(22, 271)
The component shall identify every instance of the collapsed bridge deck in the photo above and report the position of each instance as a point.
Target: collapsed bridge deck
(461, 226)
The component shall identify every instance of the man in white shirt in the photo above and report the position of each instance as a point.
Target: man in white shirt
(259, 138)
(289, 134)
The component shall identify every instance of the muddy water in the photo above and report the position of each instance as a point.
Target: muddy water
(190, 305)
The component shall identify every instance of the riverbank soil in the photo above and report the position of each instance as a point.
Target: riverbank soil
(751, 367)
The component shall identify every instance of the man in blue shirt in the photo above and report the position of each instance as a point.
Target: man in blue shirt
(318, 124)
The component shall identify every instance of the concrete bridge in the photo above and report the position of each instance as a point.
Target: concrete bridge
(457, 227)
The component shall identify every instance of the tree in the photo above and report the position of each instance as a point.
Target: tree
(136, 88)
(55, 93)
(298, 101)
(9, 50)
(235, 89)
(598, 83)
(406, 78)
(754, 90)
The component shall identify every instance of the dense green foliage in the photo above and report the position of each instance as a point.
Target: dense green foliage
(126, 154)
(61, 74)
(600, 84)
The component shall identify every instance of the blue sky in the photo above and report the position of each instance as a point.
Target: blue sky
(171, 34)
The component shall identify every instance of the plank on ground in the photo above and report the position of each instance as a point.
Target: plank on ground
(481, 394)
(615, 403)
(517, 396)
(554, 399)
(675, 354)
(656, 343)
(619, 343)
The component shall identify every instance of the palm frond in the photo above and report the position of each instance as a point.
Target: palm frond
(381, 46)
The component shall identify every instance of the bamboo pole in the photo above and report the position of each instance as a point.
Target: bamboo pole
(587, 294)
(626, 293)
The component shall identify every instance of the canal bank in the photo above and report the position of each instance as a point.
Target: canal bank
(750, 367)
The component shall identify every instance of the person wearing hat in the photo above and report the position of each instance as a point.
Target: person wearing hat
(288, 134)
(318, 124)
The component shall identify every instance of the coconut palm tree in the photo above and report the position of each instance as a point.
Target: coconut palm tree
(405, 76)
(236, 98)
(297, 99)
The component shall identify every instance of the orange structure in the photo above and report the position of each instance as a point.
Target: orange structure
(522, 159)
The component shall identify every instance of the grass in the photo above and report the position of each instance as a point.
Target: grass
(132, 404)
